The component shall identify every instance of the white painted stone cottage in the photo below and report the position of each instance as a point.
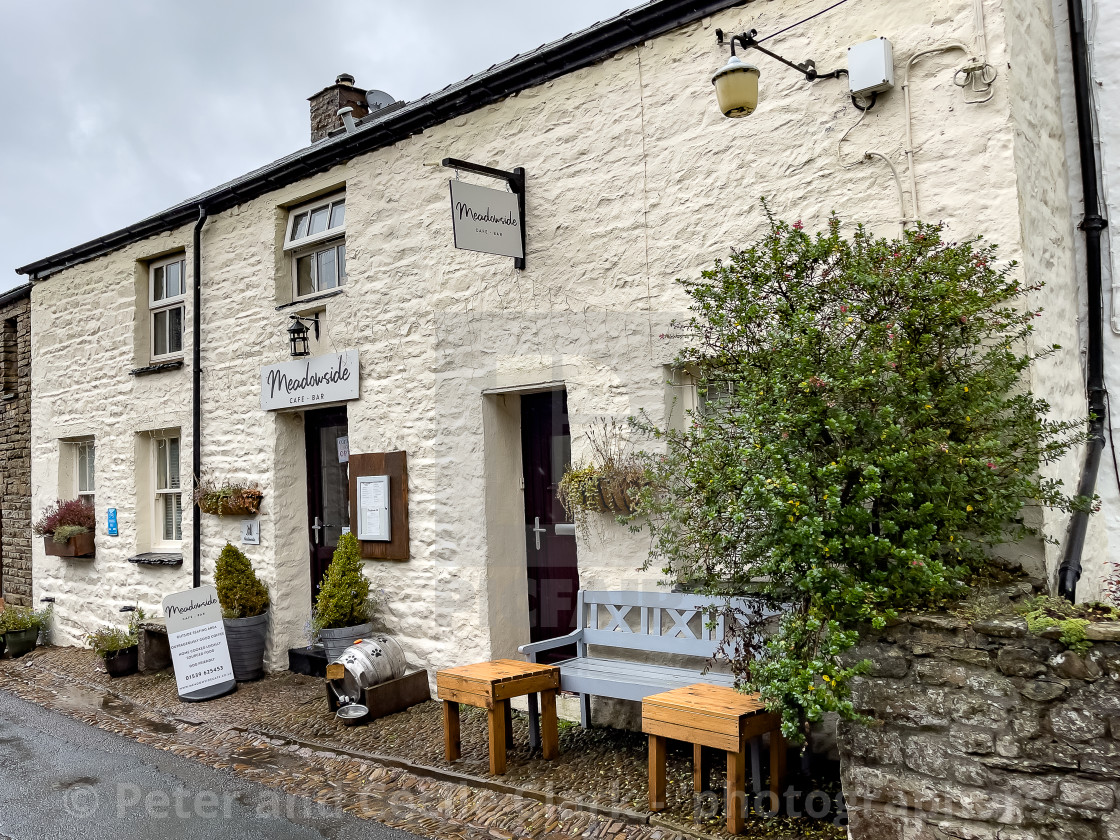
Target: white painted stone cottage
(488, 375)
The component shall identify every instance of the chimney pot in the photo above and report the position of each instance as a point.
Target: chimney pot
(344, 79)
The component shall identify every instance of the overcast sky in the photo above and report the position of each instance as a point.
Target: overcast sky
(115, 109)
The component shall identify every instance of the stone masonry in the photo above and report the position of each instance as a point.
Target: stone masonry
(15, 445)
(984, 731)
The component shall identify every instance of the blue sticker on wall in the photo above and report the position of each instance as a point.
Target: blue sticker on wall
(112, 522)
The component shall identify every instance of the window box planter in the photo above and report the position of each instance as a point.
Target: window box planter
(79, 545)
(245, 503)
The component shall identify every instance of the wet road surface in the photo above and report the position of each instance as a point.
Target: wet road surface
(62, 779)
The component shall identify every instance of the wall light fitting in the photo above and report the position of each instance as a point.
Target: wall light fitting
(298, 334)
(736, 82)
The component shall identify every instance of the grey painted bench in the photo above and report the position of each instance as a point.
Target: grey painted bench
(670, 623)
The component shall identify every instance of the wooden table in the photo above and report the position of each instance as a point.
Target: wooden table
(718, 717)
(490, 685)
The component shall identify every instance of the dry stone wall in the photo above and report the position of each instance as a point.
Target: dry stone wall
(15, 449)
(984, 731)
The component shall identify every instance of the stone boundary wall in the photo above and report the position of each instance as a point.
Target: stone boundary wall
(984, 732)
(15, 450)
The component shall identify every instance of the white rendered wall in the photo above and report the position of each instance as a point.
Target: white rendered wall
(634, 180)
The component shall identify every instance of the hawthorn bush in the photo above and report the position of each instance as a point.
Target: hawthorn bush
(869, 440)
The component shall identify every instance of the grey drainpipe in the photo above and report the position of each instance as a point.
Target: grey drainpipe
(1092, 224)
(196, 397)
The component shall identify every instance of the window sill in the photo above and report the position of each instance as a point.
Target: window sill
(303, 301)
(159, 367)
(155, 558)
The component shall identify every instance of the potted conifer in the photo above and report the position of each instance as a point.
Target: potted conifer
(343, 610)
(245, 603)
(67, 528)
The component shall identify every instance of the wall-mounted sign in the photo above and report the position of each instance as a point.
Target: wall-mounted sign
(197, 635)
(303, 382)
(251, 531)
(486, 220)
(373, 508)
(112, 523)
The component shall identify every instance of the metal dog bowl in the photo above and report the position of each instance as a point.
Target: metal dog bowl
(352, 714)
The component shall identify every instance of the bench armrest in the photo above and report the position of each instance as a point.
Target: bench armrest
(533, 648)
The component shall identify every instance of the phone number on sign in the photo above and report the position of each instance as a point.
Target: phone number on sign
(205, 673)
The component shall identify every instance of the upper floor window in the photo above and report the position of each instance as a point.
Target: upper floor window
(316, 245)
(167, 291)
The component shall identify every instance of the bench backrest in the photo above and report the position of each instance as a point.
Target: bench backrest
(660, 622)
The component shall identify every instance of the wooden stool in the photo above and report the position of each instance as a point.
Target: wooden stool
(490, 685)
(712, 716)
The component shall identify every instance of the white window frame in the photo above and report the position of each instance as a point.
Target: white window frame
(333, 237)
(83, 489)
(166, 304)
(160, 494)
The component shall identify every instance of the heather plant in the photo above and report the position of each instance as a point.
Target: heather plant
(870, 440)
(110, 640)
(64, 519)
(344, 599)
(240, 591)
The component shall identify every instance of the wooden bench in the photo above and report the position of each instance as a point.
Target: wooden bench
(669, 623)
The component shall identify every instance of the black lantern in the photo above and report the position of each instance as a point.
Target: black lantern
(298, 335)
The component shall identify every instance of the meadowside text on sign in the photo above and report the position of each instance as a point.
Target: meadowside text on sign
(486, 220)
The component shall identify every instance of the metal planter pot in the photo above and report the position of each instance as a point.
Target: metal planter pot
(336, 639)
(123, 662)
(246, 638)
(20, 642)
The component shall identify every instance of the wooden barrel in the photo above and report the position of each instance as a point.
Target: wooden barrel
(365, 663)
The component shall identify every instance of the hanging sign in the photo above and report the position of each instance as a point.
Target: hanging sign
(197, 635)
(486, 220)
(303, 382)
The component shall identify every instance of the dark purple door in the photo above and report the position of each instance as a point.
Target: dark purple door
(546, 451)
(328, 488)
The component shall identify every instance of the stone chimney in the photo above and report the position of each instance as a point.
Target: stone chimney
(326, 103)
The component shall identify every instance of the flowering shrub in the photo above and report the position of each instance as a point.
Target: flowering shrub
(66, 519)
(872, 439)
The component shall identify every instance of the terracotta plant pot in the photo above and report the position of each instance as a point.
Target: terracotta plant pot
(79, 545)
(123, 662)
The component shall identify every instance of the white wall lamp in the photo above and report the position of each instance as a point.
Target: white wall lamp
(736, 82)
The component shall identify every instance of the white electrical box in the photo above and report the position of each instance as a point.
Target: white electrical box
(870, 67)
